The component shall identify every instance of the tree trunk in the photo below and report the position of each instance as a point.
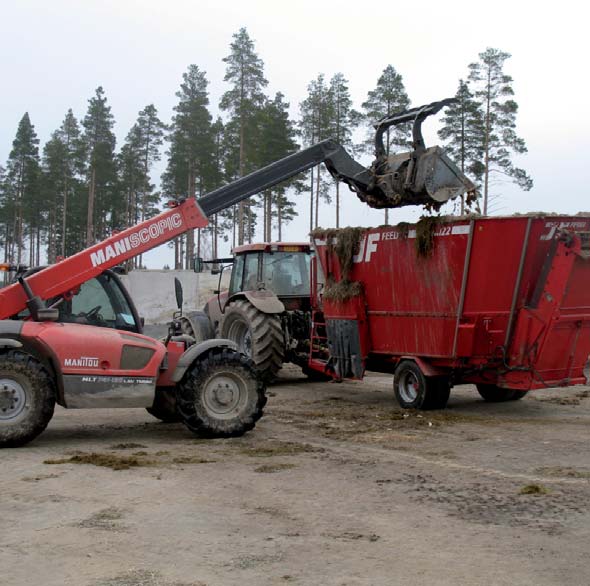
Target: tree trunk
(486, 162)
(215, 236)
(279, 221)
(337, 204)
(317, 198)
(90, 212)
(311, 203)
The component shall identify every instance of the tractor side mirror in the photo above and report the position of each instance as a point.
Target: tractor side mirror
(197, 264)
(178, 291)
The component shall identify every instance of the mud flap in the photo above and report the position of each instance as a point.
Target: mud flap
(348, 336)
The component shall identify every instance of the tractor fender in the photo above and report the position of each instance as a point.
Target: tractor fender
(201, 325)
(265, 301)
(196, 351)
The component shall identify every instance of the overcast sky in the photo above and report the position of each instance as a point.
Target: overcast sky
(55, 53)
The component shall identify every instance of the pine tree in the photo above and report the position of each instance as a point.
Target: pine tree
(388, 97)
(221, 223)
(277, 140)
(63, 171)
(245, 99)
(191, 148)
(139, 153)
(21, 189)
(316, 125)
(344, 120)
(104, 208)
(463, 132)
(493, 89)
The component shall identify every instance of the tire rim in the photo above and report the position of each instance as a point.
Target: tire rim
(408, 387)
(13, 399)
(240, 333)
(224, 394)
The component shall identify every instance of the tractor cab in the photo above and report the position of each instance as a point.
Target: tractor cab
(278, 267)
(271, 273)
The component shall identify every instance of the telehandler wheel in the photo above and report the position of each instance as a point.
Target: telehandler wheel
(221, 395)
(27, 398)
(495, 394)
(413, 390)
(258, 335)
(164, 407)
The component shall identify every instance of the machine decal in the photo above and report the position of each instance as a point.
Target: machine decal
(152, 232)
(82, 361)
(552, 227)
(368, 243)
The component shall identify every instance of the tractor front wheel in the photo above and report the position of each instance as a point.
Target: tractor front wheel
(495, 394)
(413, 390)
(258, 335)
(221, 395)
(27, 398)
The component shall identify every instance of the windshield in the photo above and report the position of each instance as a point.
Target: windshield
(99, 302)
(287, 273)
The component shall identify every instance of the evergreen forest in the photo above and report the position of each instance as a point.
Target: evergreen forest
(81, 186)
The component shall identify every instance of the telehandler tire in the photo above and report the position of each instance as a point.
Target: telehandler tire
(221, 395)
(164, 407)
(414, 390)
(258, 335)
(27, 398)
(495, 394)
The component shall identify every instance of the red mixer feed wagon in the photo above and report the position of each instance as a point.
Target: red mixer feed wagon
(503, 303)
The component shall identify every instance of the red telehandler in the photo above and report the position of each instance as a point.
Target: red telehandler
(51, 349)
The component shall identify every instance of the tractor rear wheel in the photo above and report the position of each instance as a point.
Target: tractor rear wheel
(258, 335)
(413, 390)
(164, 407)
(495, 394)
(27, 398)
(221, 395)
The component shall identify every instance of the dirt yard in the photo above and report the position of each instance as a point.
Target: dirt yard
(335, 486)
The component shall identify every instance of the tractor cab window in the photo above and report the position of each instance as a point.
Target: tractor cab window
(100, 302)
(287, 273)
(250, 280)
(237, 275)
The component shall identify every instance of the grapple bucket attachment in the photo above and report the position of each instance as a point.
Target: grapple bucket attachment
(424, 176)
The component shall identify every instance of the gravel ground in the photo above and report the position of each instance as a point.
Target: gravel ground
(335, 486)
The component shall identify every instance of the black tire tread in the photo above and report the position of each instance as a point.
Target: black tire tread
(42, 386)
(494, 394)
(164, 407)
(436, 393)
(268, 346)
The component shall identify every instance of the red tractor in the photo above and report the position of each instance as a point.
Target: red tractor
(267, 309)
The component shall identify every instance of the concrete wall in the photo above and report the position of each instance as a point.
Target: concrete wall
(153, 291)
